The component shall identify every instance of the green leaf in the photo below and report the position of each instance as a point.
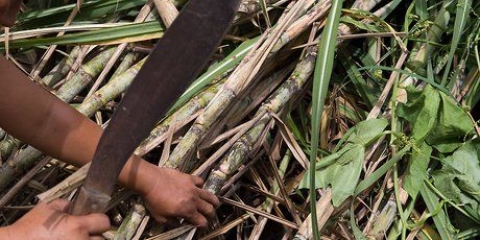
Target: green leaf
(126, 33)
(342, 175)
(341, 170)
(367, 131)
(436, 118)
(440, 218)
(462, 11)
(321, 80)
(420, 111)
(459, 178)
(346, 174)
(453, 124)
(417, 169)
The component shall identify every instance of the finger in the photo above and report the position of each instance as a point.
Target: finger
(172, 222)
(198, 181)
(95, 223)
(96, 238)
(198, 220)
(59, 205)
(205, 208)
(209, 197)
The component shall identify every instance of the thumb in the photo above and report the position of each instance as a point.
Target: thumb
(95, 223)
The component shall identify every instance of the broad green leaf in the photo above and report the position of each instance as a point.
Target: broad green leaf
(417, 169)
(367, 131)
(453, 124)
(342, 175)
(420, 111)
(341, 170)
(459, 178)
(346, 174)
(436, 118)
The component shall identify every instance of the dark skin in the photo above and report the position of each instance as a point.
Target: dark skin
(38, 118)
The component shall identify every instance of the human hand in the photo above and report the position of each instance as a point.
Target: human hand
(174, 194)
(51, 222)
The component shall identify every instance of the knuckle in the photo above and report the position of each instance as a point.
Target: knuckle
(202, 223)
(210, 211)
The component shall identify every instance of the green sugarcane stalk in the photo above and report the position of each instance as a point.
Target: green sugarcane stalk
(239, 109)
(61, 69)
(190, 108)
(268, 204)
(236, 83)
(110, 91)
(240, 150)
(84, 76)
(423, 51)
(130, 224)
(18, 165)
(126, 63)
(7, 146)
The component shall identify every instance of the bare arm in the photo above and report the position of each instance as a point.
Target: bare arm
(38, 118)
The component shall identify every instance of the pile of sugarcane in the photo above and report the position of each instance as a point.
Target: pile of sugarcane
(315, 119)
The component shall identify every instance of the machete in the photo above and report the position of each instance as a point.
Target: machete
(177, 59)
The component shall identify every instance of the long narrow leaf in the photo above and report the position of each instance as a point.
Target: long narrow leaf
(321, 80)
(463, 9)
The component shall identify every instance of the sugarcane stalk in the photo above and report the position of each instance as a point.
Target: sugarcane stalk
(110, 91)
(237, 82)
(127, 62)
(190, 108)
(167, 11)
(239, 151)
(84, 76)
(130, 224)
(268, 204)
(245, 105)
(303, 23)
(17, 165)
(7, 146)
(61, 69)
(423, 51)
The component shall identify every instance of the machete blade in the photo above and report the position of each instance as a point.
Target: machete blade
(177, 59)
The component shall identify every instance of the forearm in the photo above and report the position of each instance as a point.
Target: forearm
(5, 233)
(40, 119)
